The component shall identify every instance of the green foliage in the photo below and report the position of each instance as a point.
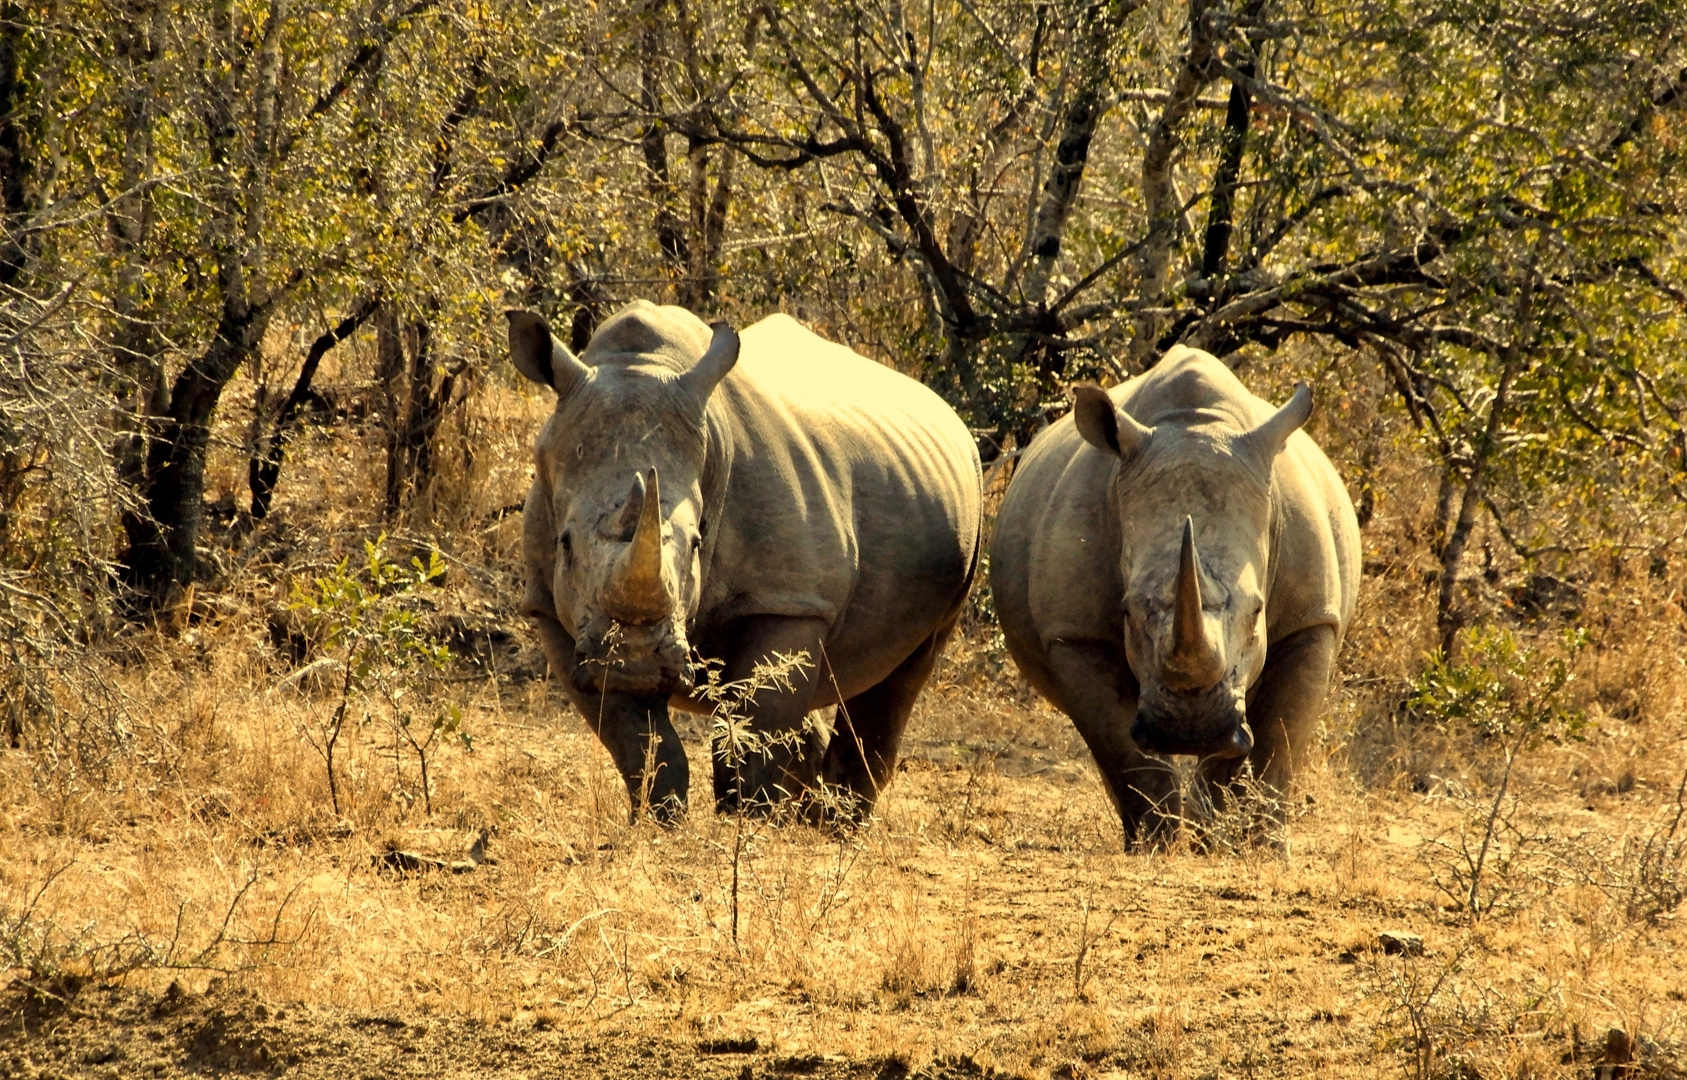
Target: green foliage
(731, 735)
(1499, 856)
(1504, 687)
(366, 624)
(363, 613)
(1474, 208)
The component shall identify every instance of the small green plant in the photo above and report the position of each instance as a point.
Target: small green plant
(365, 620)
(1503, 688)
(736, 741)
(1514, 692)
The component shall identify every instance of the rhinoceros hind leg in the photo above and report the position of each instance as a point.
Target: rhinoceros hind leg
(1283, 714)
(782, 760)
(868, 737)
(1088, 681)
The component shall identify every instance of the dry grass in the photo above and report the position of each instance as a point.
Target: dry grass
(178, 830)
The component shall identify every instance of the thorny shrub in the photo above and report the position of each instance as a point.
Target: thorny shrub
(1505, 687)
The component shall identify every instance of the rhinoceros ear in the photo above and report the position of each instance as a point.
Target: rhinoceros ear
(1104, 425)
(715, 362)
(541, 357)
(1270, 437)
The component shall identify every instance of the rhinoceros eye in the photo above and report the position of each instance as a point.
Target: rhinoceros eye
(566, 542)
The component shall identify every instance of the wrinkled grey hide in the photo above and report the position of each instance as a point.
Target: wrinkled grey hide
(701, 494)
(1174, 567)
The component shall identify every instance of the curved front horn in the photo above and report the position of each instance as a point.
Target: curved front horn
(1194, 663)
(637, 594)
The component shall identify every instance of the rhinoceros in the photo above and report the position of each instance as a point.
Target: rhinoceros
(1174, 566)
(701, 497)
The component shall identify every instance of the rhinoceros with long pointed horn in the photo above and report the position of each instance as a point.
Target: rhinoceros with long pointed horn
(1174, 567)
(705, 497)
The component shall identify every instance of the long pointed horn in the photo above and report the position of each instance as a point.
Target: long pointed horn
(638, 593)
(1195, 662)
(626, 523)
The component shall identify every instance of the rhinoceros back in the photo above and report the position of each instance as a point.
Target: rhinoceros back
(852, 495)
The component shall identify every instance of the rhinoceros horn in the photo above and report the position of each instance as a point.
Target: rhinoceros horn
(637, 593)
(1194, 664)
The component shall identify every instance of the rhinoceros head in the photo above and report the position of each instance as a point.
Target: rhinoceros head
(621, 462)
(1193, 506)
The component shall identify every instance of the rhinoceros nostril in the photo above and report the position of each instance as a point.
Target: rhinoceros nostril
(1140, 731)
(1241, 742)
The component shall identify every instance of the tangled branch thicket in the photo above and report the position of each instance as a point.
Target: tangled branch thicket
(59, 503)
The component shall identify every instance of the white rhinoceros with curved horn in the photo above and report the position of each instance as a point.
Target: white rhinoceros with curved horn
(1174, 566)
(698, 494)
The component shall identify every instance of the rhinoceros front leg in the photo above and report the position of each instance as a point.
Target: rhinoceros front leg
(1283, 712)
(1092, 685)
(781, 760)
(634, 728)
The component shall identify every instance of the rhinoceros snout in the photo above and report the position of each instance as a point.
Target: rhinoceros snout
(651, 677)
(1230, 740)
(631, 660)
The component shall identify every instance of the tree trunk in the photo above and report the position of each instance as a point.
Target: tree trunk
(653, 143)
(140, 390)
(589, 298)
(708, 226)
(162, 555)
(1219, 216)
(410, 444)
(1448, 617)
(1088, 105)
(389, 370)
(1159, 195)
(15, 101)
(263, 470)
(163, 541)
